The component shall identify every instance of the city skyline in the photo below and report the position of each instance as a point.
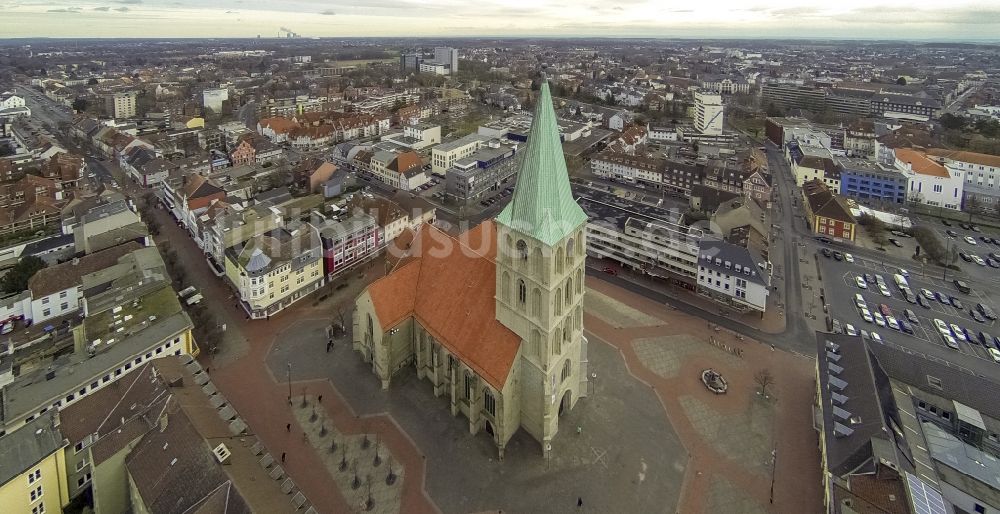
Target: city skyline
(851, 19)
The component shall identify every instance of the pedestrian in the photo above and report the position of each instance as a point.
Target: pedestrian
(579, 503)
(320, 399)
(304, 437)
(288, 427)
(208, 370)
(328, 345)
(282, 457)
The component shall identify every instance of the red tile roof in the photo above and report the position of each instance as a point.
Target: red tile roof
(449, 288)
(920, 163)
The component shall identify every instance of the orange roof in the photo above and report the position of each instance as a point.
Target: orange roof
(278, 124)
(450, 288)
(970, 157)
(920, 163)
(406, 161)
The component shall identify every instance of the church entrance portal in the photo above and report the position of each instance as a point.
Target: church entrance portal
(564, 405)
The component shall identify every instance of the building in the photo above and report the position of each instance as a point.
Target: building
(348, 242)
(904, 432)
(415, 137)
(871, 182)
(733, 274)
(12, 101)
(496, 323)
(444, 155)
(447, 56)
(826, 212)
(905, 107)
(792, 96)
(981, 174)
(708, 113)
(929, 182)
(482, 175)
(131, 314)
(409, 63)
(120, 105)
(33, 468)
(58, 290)
(641, 237)
(212, 99)
(273, 270)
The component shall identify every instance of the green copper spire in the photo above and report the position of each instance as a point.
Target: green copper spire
(543, 206)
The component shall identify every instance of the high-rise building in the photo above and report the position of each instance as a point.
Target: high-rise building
(448, 57)
(409, 62)
(120, 105)
(708, 113)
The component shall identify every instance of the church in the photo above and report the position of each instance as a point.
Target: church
(492, 318)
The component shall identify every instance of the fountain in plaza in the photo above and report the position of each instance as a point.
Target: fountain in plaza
(714, 381)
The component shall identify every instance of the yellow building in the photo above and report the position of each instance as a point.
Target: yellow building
(273, 270)
(33, 469)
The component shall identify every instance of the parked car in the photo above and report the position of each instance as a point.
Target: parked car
(849, 258)
(866, 315)
(912, 316)
(905, 327)
(923, 302)
(965, 257)
(837, 255)
(957, 332)
(961, 286)
(941, 325)
(985, 339)
(995, 355)
(895, 243)
(869, 278)
(946, 222)
(826, 252)
(968, 239)
(986, 312)
(956, 303)
(837, 328)
(927, 293)
(951, 233)
(850, 330)
(964, 225)
(859, 301)
(884, 290)
(876, 338)
(941, 297)
(976, 316)
(860, 281)
(879, 319)
(949, 341)
(891, 323)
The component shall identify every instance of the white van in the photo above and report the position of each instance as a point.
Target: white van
(901, 282)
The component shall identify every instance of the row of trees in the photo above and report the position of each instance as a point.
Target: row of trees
(933, 247)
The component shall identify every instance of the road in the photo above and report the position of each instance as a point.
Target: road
(45, 109)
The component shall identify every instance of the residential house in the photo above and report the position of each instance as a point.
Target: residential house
(733, 274)
(271, 271)
(827, 213)
(32, 468)
(928, 181)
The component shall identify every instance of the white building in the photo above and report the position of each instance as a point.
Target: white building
(212, 99)
(444, 155)
(929, 183)
(11, 101)
(120, 105)
(733, 274)
(448, 57)
(662, 133)
(708, 113)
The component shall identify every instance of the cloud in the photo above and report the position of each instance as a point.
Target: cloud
(130, 2)
(122, 9)
(328, 12)
(66, 10)
(102, 8)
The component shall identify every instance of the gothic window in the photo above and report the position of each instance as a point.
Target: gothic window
(509, 246)
(570, 248)
(567, 369)
(534, 343)
(569, 292)
(560, 260)
(489, 402)
(557, 342)
(468, 386)
(579, 281)
(536, 262)
(522, 293)
(522, 250)
(558, 302)
(505, 287)
(579, 318)
(536, 302)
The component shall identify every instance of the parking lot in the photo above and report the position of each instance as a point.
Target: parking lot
(840, 281)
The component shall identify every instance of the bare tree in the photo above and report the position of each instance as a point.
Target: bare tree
(763, 378)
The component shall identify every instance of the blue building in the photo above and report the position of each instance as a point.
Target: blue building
(870, 182)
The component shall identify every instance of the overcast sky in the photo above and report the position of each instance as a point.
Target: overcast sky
(877, 19)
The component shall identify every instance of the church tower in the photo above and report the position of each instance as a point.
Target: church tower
(540, 274)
